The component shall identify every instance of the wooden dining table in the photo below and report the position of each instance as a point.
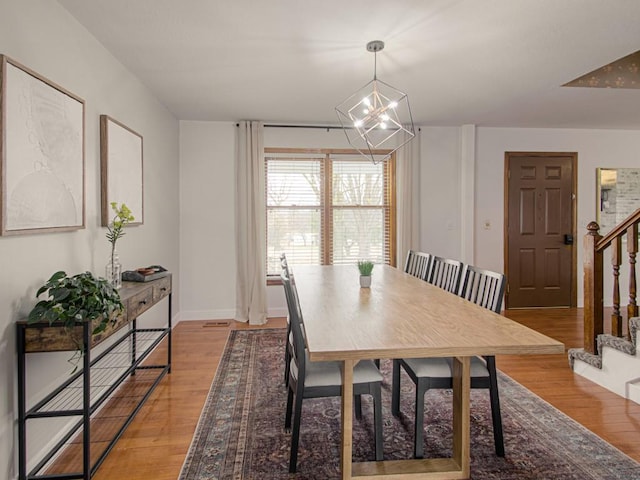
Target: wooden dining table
(401, 316)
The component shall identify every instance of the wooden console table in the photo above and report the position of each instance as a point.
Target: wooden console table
(97, 385)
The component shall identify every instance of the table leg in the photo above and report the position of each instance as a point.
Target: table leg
(456, 467)
(347, 419)
(461, 413)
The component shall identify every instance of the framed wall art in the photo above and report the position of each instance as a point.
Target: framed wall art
(42, 145)
(121, 169)
(617, 194)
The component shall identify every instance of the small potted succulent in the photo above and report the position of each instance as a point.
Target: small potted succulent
(365, 267)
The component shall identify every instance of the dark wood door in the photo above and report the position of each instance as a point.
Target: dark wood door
(540, 257)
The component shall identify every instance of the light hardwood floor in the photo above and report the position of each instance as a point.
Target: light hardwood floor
(156, 442)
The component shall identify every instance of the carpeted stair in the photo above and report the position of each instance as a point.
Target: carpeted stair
(615, 366)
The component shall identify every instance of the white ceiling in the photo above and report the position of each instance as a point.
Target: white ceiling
(483, 62)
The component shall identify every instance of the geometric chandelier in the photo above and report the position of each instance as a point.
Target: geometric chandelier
(376, 116)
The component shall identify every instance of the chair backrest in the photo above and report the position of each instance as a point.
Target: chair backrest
(295, 316)
(446, 274)
(289, 273)
(284, 264)
(483, 287)
(418, 264)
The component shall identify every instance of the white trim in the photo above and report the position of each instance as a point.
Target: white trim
(227, 314)
(278, 312)
(188, 315)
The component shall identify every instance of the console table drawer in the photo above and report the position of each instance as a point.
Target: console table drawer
(161, 288)
(140, 302)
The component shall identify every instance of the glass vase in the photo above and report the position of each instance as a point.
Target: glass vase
(113, 270)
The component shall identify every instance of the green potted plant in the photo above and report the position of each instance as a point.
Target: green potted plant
(74, 300)
(365, 267)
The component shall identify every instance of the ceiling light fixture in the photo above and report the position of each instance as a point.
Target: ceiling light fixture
(376, 115)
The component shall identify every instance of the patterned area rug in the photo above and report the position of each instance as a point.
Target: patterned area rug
(241, 433)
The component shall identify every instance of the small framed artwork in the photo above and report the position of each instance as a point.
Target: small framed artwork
(618, 196)
(42, 144)
(121, 169)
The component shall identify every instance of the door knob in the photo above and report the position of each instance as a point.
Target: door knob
(568, 239)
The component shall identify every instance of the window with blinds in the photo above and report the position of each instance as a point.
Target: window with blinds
(328, 208)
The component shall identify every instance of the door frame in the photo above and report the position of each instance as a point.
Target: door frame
(573, 298)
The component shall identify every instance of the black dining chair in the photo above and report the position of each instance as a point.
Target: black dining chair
(288, 348)
(323, 379)
(484, 288)
(445, 273)
(418, 264)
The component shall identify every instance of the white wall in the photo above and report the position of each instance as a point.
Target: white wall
(439, 193)
(44, 37)
(596, 148)
(207, 178)
(207, 236)
(305, 138)
(440, 180)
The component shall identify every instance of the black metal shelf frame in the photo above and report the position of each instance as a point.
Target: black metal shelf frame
(85, 392)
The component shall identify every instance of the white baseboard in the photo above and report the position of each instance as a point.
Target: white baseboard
(618, 373)
(188, 315)
(277, 312)
(227, 314)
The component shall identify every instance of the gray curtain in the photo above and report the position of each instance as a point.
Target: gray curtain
(251, 287)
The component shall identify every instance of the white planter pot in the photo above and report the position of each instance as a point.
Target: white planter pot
(365, 282)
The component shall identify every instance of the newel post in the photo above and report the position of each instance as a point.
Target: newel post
(593, 309)
(632, 250)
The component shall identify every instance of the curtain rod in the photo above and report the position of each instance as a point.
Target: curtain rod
(323, 127)
(280, 125)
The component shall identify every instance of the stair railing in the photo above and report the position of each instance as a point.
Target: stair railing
(594, 247)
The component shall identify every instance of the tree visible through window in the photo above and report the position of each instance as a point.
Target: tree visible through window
(328, 207)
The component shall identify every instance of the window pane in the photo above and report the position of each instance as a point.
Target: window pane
(358, 233)
(293, 182)
(295, 232)
(356, 223)
(293, 211)
(357, 182)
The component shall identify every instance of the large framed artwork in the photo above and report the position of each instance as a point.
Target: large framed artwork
(42, 148)
(121, 169)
